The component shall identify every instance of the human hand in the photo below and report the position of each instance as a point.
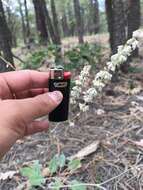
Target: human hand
(24, 97)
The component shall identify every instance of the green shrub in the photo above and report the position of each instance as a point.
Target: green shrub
(72, 59)
(82, 54)
(56, 166)
(34, 61)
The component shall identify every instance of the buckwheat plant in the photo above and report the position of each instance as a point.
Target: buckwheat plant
(80, 83)
(102, 77)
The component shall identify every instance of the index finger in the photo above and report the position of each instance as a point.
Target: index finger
(26, 79)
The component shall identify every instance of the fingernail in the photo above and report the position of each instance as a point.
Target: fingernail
(56, 96)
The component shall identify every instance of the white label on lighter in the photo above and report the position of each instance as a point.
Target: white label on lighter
(60, 84)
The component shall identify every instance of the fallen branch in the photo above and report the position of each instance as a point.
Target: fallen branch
(7, 63)
(80, 185)
(94, 146)
(86, 151)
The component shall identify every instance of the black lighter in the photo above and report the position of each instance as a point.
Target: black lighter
(60, 81)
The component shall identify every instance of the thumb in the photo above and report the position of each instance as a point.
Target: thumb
(32, 108)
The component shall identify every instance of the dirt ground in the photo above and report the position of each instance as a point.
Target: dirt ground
(115, 120)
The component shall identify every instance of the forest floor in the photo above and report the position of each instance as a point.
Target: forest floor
(115, 121)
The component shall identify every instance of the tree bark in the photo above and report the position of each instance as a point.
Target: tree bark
(65, 26)
(5, 41)
(134, 16)
(49, 23)
(133, 19)
(55, 22)
(41, 22)
(79, 23)
(95, 15)
(12, 26)
(27, 21)
(71, 20)
(23, 21)
(117, 27)
(116, 23)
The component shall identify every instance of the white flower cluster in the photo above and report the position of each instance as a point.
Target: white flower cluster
(102, 77)
(83, 107)
(122, 55)
(83, 77)
(133, 42)
(90, 94)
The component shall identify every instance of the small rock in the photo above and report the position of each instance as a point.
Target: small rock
(45, 172)
(100, 112)
(133, 103)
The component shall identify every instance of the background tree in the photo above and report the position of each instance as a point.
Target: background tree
(12, 23)
(62, 9)
(134, 16)
(27, 21)
(79, 23)
(71, 18)
(116, 23)
(133, 19)
(5, 41)
(41, 21)
(65, 25)
(117, 28)
(49, 23)
(22, 21)
(94, 7)
(55, 22)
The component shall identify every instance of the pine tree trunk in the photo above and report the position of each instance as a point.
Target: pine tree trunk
(117, 28)
(72, 25)
(116, 23)
(133, 19)
(23, 22)
(65, 26)
(134, 16)
(27, 21)
(79, 23)
(109, 13)
(55, 22)
(5, 41)
(49, 23)
(11, 26)
(95, 15)
(41, 22)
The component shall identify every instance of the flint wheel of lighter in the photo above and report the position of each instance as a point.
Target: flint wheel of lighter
(60, 81)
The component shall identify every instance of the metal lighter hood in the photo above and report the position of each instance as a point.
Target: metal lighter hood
(60, 81)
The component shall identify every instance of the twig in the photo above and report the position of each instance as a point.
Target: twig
(100, 185)
(115, 177)
(8, 63)
(58, 146)
(123, 132)
(82, 184)
(16, 57)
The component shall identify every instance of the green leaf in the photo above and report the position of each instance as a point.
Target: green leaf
(61, 160)
(76, 185)
(56, 162)
(57, 184)
(74, 164)
(33, 174)
(53, 165)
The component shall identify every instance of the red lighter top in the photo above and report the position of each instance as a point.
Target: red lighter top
(67, 75)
